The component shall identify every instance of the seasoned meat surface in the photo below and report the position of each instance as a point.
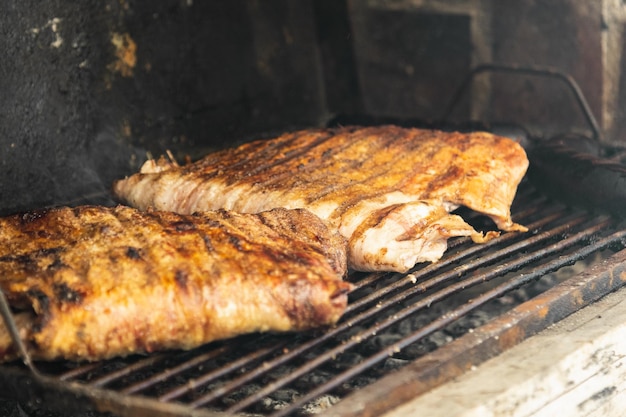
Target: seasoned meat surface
(91, 282)
(346, 176)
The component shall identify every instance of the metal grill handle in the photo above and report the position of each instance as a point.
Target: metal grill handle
(14, 332)
(567, 79)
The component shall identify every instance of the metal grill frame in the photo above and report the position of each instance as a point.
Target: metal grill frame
(555, 229)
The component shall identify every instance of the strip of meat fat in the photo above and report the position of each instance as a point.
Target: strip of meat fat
(392, 232)
(161, 185)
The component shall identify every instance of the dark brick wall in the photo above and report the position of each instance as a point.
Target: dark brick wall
(88, 87)
(560, 34)
(49, 71)
(410, 61)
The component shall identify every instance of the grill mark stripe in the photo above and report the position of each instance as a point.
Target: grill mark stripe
(375, 168)
(234, 160)
(321, 178)
(230, 154)
(290, 155)
(318, 190)
(403, 157)
(248, 170)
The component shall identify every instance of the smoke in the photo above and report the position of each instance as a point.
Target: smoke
(91, 171)
(41, 176)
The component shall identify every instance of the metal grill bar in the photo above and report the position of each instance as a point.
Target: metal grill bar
(9, 322)
(176, 393)
(135, 367)
(368, 280)
(168, 373)
(77, 372)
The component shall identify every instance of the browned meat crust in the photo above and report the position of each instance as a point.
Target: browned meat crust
(105, 282)
(345, 176)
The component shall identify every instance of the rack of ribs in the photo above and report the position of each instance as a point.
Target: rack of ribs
(388, 190)
(89, 283)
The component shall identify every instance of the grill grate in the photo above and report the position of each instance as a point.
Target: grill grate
(430, 324)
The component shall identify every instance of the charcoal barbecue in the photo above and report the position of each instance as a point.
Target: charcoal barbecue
(394, 331)
(403, 336)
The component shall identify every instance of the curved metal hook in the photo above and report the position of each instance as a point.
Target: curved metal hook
(536, 71)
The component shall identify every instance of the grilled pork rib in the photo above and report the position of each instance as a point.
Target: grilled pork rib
(91, 282)
(351, 177)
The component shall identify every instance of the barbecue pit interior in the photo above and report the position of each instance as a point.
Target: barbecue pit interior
(92, 89)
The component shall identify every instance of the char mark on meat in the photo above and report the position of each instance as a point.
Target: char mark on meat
(347, 176)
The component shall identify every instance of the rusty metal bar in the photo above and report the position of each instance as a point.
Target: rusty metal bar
(77, 372)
